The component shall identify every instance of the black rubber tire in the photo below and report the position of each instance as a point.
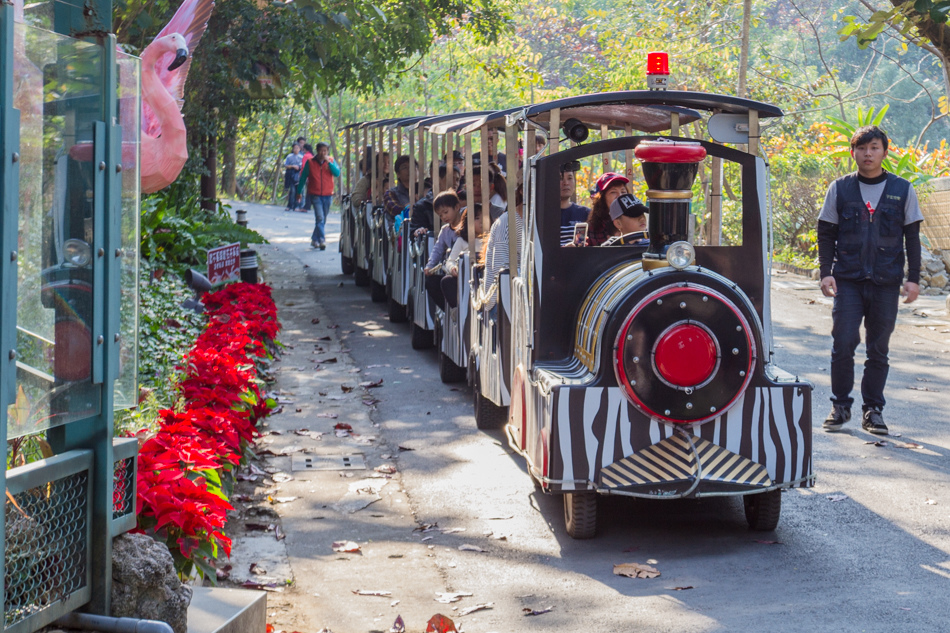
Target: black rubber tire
(421, 339)
(377, 292)
(449, 372)
(580, 514)
(762, 511)
(488, 415)
(346, 265)
(397, 313)
(361, 276)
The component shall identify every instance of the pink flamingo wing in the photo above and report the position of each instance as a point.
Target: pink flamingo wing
(190, 21)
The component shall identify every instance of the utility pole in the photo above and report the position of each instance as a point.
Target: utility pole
(744, 47)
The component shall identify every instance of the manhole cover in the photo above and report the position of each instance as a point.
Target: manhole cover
(327, 462)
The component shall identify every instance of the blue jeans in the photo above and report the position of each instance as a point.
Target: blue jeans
(321, 207)
(877, 307)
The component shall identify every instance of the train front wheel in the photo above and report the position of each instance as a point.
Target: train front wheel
(580, 514)
(762, 510)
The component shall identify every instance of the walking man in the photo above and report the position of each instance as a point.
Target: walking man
(868, 220)
(317, 177)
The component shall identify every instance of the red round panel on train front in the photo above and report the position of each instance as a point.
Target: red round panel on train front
(685, 355)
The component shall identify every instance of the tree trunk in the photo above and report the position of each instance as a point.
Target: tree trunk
(744, 47)
(229, 184)
(280, 149)
(257, 165)
(209, 180)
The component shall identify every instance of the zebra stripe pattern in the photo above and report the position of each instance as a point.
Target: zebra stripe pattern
(769, 426)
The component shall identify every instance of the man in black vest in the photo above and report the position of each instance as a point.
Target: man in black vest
(868, 220)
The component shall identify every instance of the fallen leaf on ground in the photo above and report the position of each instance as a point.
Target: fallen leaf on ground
(303, 431)
(440, 624)
(271, 586)
(274, 500)
(680, 588)
(346, 388)
(878, 442)
(394, 603)
(930, 502)
(315, 321)
(366, 592)
(223, 573)
(635, 570)
(257, 570)
(332, 416)
(916, 388)
(500, 517)
(405, 448)
(355, 370)
(342, 426)
(325, 338)
(370, 402)
(375, 366)
(327, 360)
(471, 548)
(279, 534)
(451, 596)
(836, 498)
(348, 547)
(398, 626)
(426, 527)
(908, 445)
(452, 530)
(768, 542)
(477, 607)
(371, 384)
(386, 469)
(528, 611)
(332, 327)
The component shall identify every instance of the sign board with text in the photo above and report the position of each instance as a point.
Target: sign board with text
(224, 264)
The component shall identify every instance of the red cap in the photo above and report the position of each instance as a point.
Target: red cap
(608, 179)
(658, 63)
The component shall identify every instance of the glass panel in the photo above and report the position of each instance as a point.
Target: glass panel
(57, 90)
(130, 108)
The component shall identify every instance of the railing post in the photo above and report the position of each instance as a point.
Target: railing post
(9, 194)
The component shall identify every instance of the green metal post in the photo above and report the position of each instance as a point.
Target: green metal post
(9, 194)
(96, 433)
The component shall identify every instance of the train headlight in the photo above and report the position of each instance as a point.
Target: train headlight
(77, 253)
(680, 255)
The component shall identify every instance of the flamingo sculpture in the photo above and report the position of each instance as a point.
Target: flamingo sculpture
(165, 64)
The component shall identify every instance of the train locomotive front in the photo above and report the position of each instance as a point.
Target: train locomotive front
(659, 383)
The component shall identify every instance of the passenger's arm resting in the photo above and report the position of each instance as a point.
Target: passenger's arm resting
(912, 244)
(827, 237)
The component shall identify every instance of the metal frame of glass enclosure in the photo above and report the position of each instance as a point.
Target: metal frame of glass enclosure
(69, 186)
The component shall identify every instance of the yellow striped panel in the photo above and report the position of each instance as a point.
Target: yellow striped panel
(675, 459)
(669, 460)
(724, 466)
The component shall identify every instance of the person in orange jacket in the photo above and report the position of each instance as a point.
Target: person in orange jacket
(317, 177)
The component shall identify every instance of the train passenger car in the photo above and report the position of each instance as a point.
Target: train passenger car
(348, 214)
(376, 165)
(646, 370)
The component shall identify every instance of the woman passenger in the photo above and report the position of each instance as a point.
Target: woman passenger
(600, 226)
(446, 205)
(450, 281)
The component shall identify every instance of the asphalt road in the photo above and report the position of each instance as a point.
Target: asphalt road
(866, 549)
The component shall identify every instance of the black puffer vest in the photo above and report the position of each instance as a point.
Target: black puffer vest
(870, 248)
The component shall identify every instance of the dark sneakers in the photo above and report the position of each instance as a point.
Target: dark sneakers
(836, 419)
(873, 422)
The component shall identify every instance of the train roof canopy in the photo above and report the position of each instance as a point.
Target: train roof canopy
(427, 122)
(494, 120)
(645, 110)
(407, 121)
(454, 125)
(369, 125)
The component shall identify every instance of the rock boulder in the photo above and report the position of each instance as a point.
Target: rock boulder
(144, 582)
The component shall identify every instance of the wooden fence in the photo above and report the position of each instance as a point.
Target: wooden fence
(935, 204)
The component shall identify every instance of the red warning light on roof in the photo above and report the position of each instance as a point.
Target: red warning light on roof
(658, 63)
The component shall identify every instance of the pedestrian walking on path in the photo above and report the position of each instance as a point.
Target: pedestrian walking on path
(868, 220)
(317, 182)
(292, 166)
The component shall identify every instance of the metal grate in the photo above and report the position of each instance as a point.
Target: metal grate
(124, 471)
(45, 546)
(123, 488)
(299, 463)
